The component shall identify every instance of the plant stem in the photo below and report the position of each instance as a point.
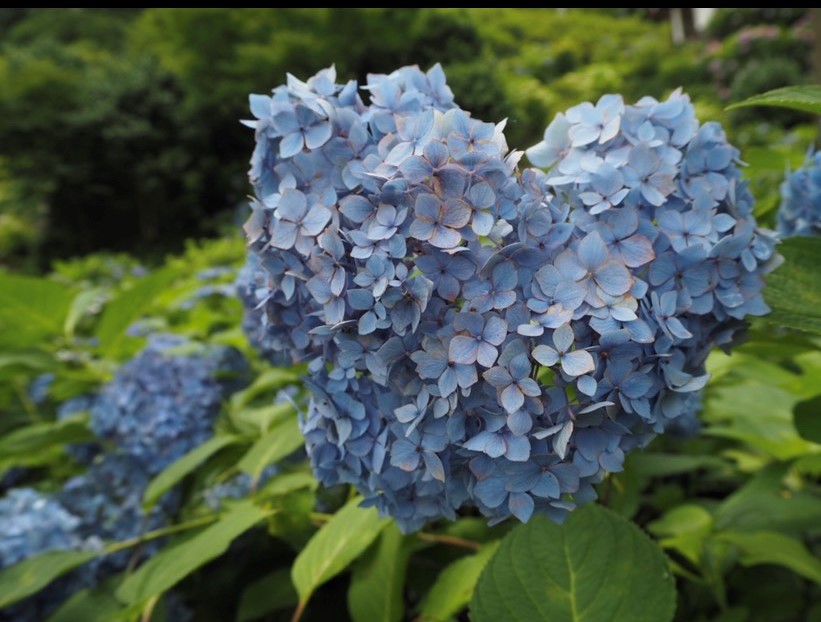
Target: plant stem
(159, 533)
(300, 609)
(452, 540)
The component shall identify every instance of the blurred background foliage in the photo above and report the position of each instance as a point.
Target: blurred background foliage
(119, 127)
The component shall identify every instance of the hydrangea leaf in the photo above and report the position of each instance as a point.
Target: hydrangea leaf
(596, 566)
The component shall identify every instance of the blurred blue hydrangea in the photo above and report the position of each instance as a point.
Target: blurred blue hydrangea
(163, 402)
(477, 335)
(107, 500)
(159, 406)
(800, 212)
(32, 523)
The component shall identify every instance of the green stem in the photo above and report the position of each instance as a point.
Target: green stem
(452, 540)
(159, 533)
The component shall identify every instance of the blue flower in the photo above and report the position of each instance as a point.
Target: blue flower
(800, 211)
(513, 383)
(478, 340)
(438, 222)
(573, 363)
(408, 252)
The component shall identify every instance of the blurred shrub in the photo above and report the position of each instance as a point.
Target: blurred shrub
(142, 148)
(728, 21)
(759, 50)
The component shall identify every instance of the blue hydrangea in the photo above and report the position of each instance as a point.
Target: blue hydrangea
(32, 523)
(480, 335)
(107, 500)
(163, 402)
(800, 212)
(159, 406)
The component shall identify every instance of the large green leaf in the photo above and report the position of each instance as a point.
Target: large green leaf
(287, 483)
(684, 528)
(89, 606)
(271, 592)
(765, 503)
(31, 444)
(177, 561)
(378, 580)
(807, 415)
(35, 573)
(79, 307)
(768, 547)
(794, 289)
(596, 567)
(334, 547)
(805, 98)
(455, 585)
(654, 464)
(281, 440)
(31, 309)
(128, 306)
(177, 470)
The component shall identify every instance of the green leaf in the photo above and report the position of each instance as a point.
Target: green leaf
(79, 307)
(32, 442)
(378, 580)
(765, 503)
(455, 585)
(270, 380)
(805, 98)
(807, 417)
(794, 289)
(88, 606)
(175, 562)
(177, 470)
(684, 529)
(271, 592)
(287, 483)
(31, 309)
(128, 306)
(597, 566)
(334, 547)
(30, 360)
(769, 547)
(35, 573)
(282, 440)
(653, 464)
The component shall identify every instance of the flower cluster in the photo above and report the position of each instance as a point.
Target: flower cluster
(159, 406)
(32, 523)
(477, 335)
(164, 401)
(800, 212)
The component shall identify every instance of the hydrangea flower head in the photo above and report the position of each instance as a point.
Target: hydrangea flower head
(800, 212)
(33, 523)
(480, 335)
(163, 402)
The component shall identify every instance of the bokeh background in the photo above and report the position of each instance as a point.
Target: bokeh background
(119, 127)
